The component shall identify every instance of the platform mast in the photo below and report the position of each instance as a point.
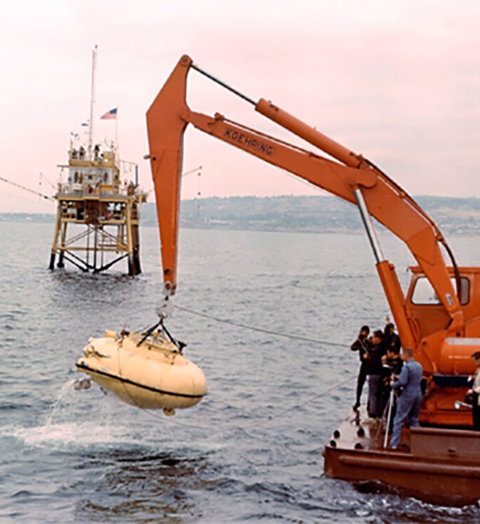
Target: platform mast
(98, 216)
(92, 104)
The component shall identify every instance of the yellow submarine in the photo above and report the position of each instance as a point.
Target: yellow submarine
(144, 369)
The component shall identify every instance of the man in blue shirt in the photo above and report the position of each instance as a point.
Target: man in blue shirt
(408, 405)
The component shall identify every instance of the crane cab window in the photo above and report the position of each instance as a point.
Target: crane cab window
(424, 294)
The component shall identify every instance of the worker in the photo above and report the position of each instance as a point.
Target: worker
(475, 392)
(394, 362)
(375, 375)
(361, 344)
(408, 406)
(392, 366)
(392, 340)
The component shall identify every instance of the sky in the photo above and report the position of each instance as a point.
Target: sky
(397, 81)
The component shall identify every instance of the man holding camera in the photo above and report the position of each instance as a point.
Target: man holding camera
(474, 393)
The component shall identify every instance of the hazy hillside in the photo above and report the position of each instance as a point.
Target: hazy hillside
(295, 213)
(310, 214)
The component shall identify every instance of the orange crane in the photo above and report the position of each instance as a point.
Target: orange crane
(438, 317)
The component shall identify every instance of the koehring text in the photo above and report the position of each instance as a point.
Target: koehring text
(248, 142)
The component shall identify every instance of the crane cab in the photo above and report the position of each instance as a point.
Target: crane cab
(426, 308)
(445, 356)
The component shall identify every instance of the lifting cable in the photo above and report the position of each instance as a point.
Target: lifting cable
(260, 330)
(253, 424)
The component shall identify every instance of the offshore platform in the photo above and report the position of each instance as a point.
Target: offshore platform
(98, 211)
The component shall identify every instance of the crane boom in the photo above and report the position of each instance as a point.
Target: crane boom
(167, 119)
(441, 324)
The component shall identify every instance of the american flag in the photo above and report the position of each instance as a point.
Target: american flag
(109, 115)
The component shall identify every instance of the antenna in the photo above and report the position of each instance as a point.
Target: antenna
(92, 103)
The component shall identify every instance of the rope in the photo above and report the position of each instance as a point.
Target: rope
(261, 330)
(254, 424)
(313, 399)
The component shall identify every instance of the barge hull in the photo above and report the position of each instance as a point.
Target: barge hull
(437, 465)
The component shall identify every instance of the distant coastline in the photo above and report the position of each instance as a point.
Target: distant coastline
(308, 214)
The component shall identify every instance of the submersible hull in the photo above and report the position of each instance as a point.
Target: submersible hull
(146, 372)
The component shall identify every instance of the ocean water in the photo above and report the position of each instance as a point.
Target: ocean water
(251, 451)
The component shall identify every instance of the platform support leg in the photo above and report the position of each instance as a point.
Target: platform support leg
(58, 219)
(61, 263)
